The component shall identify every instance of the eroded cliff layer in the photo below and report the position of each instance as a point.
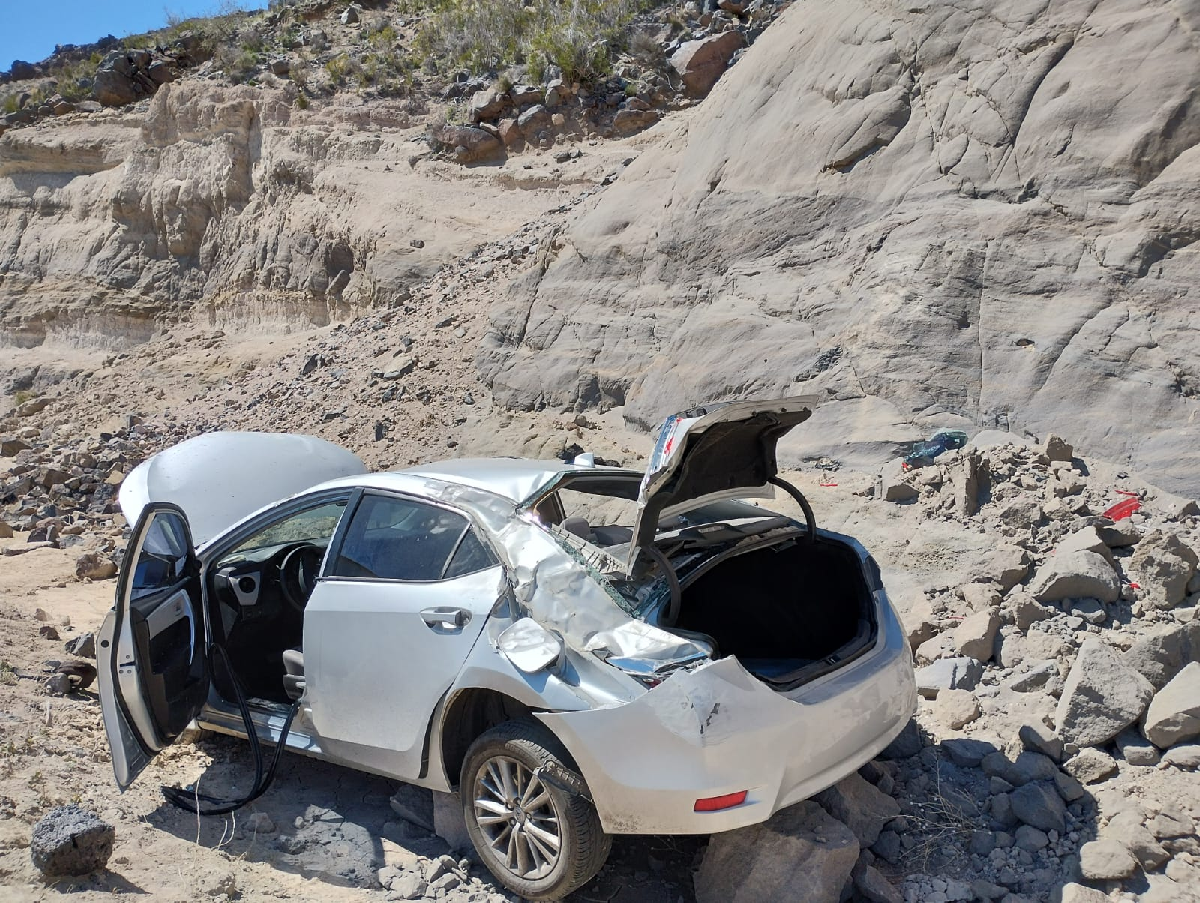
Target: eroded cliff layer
(231, 206)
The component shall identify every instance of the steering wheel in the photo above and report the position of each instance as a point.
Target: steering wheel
(298, 573)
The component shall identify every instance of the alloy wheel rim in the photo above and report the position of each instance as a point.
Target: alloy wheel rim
(517, 816)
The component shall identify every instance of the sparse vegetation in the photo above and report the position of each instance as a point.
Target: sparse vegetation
(339, 68)
(580, 38)
(238, 63)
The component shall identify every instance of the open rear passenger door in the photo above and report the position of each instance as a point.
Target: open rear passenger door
(152, 661)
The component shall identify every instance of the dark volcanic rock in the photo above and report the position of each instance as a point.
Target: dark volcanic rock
(71, 841)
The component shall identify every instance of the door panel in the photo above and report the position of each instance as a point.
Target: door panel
(380, 654)
(154, 675)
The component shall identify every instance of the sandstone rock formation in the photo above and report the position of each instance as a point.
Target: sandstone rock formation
(932, 215)
(226, 205)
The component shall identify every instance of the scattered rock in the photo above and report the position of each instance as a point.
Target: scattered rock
(860, 805)
(966, 751)
(1136, 749)
(1076, 575)
(1185, 756)
(467, 144)
(534, 119)
(1039, 738)
(1028, 766)
(1078, 893)
(94, 566)
(800, 854)
(1159, 653)
(1106, 860)
(891, 485)
(873, 886)
(905, 744)
(70, 840)
(408, 886)
(223, 885)
(1058, 449)
(702, 62)
(1090, 766)
(975, 637)
(1101, 697)
(1171, 821)
(949, 674)
(1163, 565)
(83, 645)
(1038, 804)
(1174, 713)
(956, 708)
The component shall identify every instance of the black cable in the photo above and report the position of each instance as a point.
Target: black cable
(810, 519)
(672, 614)
(189, 800)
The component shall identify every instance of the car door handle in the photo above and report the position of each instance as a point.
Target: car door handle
(448, 618)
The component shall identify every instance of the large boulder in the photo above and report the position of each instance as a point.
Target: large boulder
(1174, 713)
(701, 63)
(1163, 564)
(800, 855)
(859, 805)
(70, 840)
(1076, 575)
(1101, 697)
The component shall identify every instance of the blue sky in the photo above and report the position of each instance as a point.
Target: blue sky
(29, 30)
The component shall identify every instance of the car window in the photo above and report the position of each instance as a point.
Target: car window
(470, 556)
(391, 538)
(315, 525)
(163, 555)
(599, 509)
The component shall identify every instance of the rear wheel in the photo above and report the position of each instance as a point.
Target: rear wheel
(527, 812)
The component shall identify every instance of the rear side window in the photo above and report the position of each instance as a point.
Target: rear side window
(470, 556)
(391, 538)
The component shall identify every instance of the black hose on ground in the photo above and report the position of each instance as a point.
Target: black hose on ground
(189, 799)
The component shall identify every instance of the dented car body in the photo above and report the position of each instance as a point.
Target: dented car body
(578, 650)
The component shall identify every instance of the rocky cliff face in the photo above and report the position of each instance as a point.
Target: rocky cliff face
(927, 212)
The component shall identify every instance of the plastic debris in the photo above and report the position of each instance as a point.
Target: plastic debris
(1123, 508)
(942, 441)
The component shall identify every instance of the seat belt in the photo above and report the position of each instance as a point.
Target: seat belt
(189, 798)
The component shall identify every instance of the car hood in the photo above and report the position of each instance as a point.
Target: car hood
(220, 478)
(712, 452)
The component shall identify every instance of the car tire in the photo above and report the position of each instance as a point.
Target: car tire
(521, 793)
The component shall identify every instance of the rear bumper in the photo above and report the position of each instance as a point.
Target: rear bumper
(719, 730)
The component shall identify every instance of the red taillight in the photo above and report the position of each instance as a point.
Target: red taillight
(716, 803)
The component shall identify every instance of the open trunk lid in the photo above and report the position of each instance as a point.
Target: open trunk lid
(711, 452)
(220, 478)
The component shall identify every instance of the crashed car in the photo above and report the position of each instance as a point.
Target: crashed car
(577, 650)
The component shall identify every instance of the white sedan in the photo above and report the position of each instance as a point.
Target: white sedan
(578, 651)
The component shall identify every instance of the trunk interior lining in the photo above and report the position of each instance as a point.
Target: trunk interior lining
(780, 608)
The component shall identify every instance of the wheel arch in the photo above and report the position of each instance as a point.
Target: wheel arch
(468, 713)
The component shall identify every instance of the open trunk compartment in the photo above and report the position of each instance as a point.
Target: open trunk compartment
(789, 611)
